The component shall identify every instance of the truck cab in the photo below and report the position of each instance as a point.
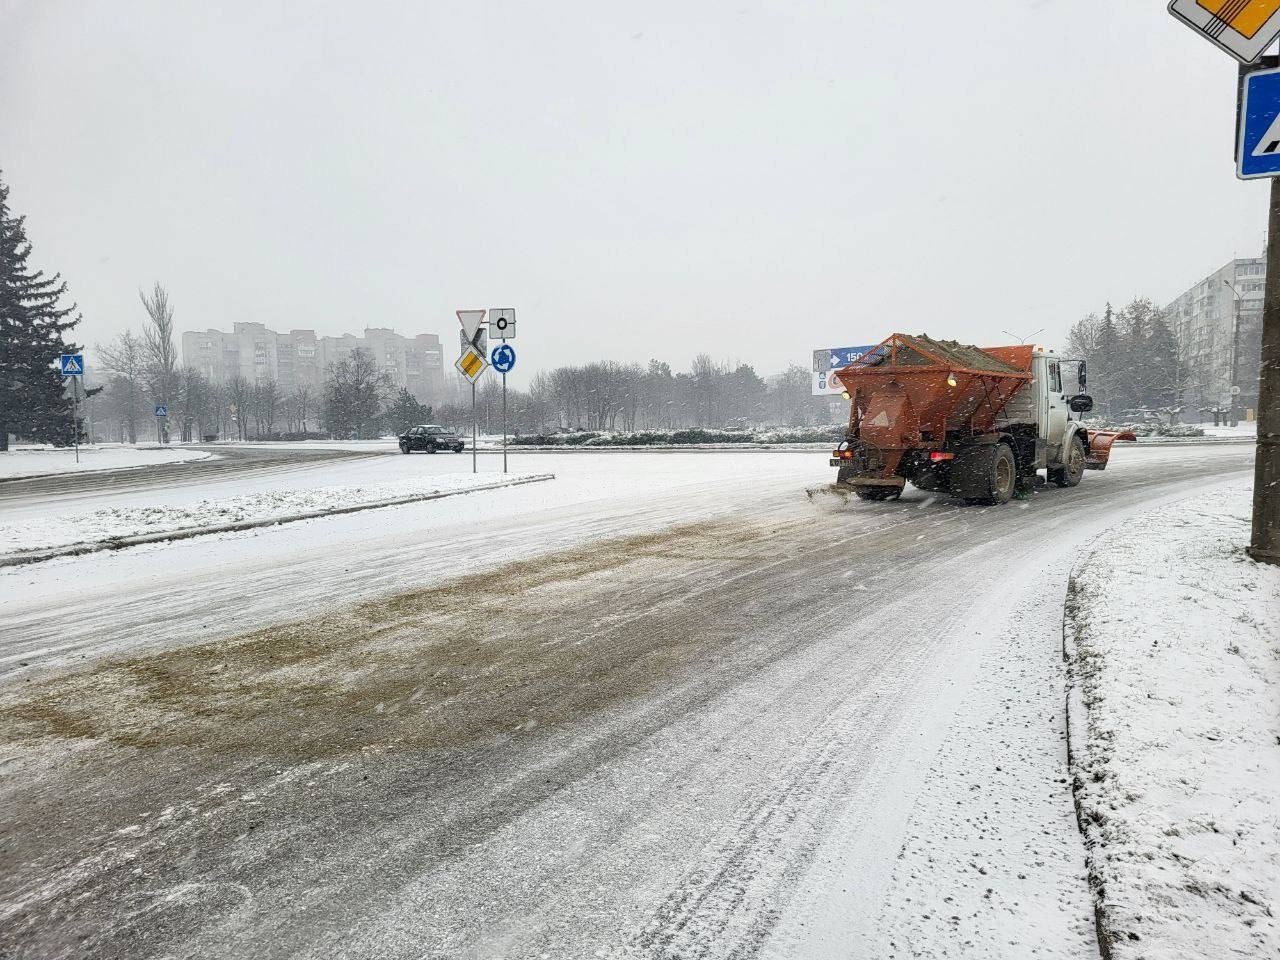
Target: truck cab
(1054, 402)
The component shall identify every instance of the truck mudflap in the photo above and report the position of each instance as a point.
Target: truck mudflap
(1098, 445)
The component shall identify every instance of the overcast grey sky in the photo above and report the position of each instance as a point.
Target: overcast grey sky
(649, 179)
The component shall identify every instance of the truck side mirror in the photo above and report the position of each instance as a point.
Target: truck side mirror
(1081, 375)
(1080, 403)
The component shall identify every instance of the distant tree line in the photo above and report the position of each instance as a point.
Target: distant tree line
(355, 400)
(358, 400)
(240, 409)
(608, 395)
(1134, 364)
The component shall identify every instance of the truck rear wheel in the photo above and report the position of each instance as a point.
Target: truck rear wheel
(1003, 477)
(1070, 473)
(985, 474)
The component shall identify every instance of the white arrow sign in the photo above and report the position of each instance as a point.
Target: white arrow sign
(471, 320)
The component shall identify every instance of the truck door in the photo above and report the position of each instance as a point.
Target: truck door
(1054, 425)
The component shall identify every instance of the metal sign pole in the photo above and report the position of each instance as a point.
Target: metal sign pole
(474, 468)
(504, 423)
(75, 413)
(1235, 366)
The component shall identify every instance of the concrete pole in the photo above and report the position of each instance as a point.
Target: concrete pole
(1265, 543)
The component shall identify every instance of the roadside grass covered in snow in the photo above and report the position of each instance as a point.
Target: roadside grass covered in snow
(1173, 642)
(114, 523)
(35, 461)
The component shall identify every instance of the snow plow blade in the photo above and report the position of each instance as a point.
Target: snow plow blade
(1100, 442)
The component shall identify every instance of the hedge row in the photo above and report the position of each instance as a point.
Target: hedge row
(662, 438)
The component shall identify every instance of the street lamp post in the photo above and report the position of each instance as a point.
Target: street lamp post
(1235, 354)
(1027, 337)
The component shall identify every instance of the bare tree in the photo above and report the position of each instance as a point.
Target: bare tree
(125, 361)
(195, 403)
(266, 406)
(658, 394)
(239, 394)
(303, 403)
(707, 375)
(790, 403)
(162, 356)
(1082, 340)
(220, 413)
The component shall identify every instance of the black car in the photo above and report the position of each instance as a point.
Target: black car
(430, 437)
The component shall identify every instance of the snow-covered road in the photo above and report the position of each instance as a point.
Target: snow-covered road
(661, 706)
(39, 461)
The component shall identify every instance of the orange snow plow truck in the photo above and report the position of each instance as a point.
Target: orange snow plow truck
(976, 423)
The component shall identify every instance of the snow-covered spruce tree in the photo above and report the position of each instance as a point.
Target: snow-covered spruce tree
(1107, 374)
(404, 412)
(34, 404)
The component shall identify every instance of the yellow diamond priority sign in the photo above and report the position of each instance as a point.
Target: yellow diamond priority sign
(471, 364)
(1243, 28)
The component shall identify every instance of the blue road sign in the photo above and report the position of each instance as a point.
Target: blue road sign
(843, 356)
(503, 357)
(161, 410)
(72, 364)
(1258, 152)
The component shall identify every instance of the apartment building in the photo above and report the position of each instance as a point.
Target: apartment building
(256, 353)
(1204, 320)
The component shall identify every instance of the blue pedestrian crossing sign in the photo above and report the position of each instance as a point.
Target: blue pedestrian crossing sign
(503, 357)
(1258, 152)
(72, 364)
(161, 410)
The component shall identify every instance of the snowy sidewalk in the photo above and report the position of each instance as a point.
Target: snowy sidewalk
(1173, 643)
(113, 527)
(35, 461)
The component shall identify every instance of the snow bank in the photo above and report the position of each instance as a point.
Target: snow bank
(1246, 430)
(41, 461)
(683, 437)
(1173, 643)
(115, 523)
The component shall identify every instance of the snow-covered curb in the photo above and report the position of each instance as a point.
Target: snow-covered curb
(112, 529)
(23, 463)
(1172, 639)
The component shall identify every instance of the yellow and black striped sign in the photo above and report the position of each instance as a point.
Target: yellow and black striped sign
(1245, 17)
(471, 364)
(1243, 28)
